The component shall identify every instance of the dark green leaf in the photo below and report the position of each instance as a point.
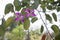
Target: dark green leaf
(48, 17)
(25, 4)
(26, 24)
(8, 8)
(17, 8)
(54, 7)
(50, 1)
(57, 37)
(49, 7)
(17, 5)
(54, 16)
(35, 4)
(42, 28)
(55, 29)
(43, 6)
(26, 0)
(34, 19)
(39, 1)
(58, 8)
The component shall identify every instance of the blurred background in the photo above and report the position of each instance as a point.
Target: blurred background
(34, 30)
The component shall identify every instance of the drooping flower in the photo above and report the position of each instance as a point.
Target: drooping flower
(29, 12)
(19, 17)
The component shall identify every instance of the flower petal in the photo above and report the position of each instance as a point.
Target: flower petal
(28, 15)
(17, 19)
(17, 13)
(27, 10)
(33, 14)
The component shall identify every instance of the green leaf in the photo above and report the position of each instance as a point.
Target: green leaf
(8, 8)
(43, 7)
(48, 17)
(17, 8)
(8, 22)
(26, 0)
(25, 4)
(42, 28)
(26, 24)
(34, 19)
(12, 25)
(49, 7)
(17, 5)
(58, 8)
(35, 4)
(54, 16)
(50, 1)
(2, 32)
(57, 37)
(18, 29)
(39, 1)
(55, 29)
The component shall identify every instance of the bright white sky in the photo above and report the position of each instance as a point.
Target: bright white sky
(35, 25)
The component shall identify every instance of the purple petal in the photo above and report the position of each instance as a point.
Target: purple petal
(32, 10)
(17, 13)
(21, 17)
(22, 21)
(28, 15)
(33, 14)
(17, 19)
(27, 10)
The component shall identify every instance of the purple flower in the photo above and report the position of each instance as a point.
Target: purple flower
(29, 12)
(19, 17)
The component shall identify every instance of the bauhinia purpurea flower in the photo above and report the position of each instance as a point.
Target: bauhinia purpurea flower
(21, 17)
(29, 12)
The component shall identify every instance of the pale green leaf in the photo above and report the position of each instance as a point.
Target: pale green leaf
(8, 21)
